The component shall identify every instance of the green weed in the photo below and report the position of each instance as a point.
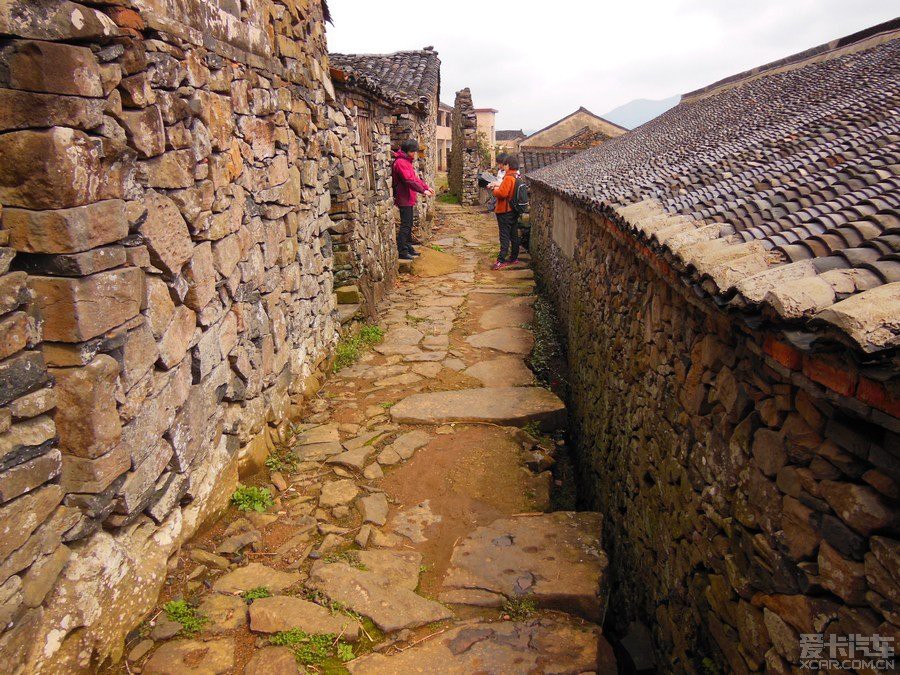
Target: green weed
(256, 594)
(183, 613)
(532, 428)
(518, 609)
(435, 247)
(351, 347)
(312, 649)
(387, 405)
(448, 198)
(252, 498)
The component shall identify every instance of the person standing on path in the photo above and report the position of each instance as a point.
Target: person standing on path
(507, 218)
(407, 184)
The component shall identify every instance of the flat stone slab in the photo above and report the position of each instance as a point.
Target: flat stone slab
(504, 371)
(513, 406)
(214, 657)
(557, 644)
(353, 459)
(505, 315)
(254, 575)
(554, 558)
(373, 508)
(376, 596)
(510, 340)
(283, 612)
(412, 522)
(337, 493)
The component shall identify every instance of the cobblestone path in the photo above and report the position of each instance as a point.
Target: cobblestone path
(409, 530)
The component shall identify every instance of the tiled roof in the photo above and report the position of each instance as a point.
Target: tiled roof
(537, 158)
(509, 134)
(410, 78)
(777, 190)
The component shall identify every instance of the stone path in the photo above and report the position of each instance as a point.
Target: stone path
(409, 521)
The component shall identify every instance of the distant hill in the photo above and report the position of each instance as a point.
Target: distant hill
(635, 113)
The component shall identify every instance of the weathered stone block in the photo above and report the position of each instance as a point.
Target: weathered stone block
(200, 275)
(42, 574)
(174, 169)
(54, 20)
(166, 234)
(66, 230)
(51, 68)
(26, 109)
(80, 474)
(139, 353)
(145, 130)
(20, 374)
(72, 264)
(137, 93)
(13, 291)
(862, 508)
(86, 417)
(33, 404)
(58, 168)
(75, 310)
(159, 305)
(20, 518)
(25, 440)
(188, 431)
(140, 483)
(845, 578)
(174, 343)
(28, 475)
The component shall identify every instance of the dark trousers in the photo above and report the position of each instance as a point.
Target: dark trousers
(404, 235)
(508, 224)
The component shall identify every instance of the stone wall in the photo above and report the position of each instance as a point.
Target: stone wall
(363, 229)
(749, 489)
(164, 181)
(464, 157)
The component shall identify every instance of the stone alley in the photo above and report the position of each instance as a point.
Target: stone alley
(410, 518)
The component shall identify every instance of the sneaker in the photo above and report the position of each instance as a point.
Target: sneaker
(499, 265)
(515, 262)
(406, 256)
(413, 252)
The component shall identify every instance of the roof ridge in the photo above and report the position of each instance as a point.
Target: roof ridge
(858, 40)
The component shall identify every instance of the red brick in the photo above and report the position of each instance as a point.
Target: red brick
(831, 375)
(787, 356)
(878, 396)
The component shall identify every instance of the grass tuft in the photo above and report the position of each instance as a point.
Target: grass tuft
(252, 498)
(351, 347)
(183, 613)
(256, 594)
(518, 609)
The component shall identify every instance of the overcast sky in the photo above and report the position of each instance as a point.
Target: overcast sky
(538, 61)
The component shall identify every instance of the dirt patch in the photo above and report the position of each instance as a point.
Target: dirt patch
(471, 478)
(432, 263)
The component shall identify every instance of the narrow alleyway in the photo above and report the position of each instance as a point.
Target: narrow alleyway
(409, 523)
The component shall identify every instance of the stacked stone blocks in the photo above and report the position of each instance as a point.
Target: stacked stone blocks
(464, 157)
(166, 289)
(751, 488)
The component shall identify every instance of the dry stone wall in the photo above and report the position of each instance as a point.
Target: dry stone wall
(362, 230)
(464, 157)
(166, 278)
(749, 497)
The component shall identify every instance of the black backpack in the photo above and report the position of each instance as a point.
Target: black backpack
(519, 200)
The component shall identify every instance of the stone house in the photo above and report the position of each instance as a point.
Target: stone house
(412, 79)
(180, 189)
(444, 135)
(485, 123)
(508, 140)
(362, 206)
(728, 279)
(566, 137)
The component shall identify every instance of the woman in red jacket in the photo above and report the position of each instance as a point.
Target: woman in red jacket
(406, 186)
